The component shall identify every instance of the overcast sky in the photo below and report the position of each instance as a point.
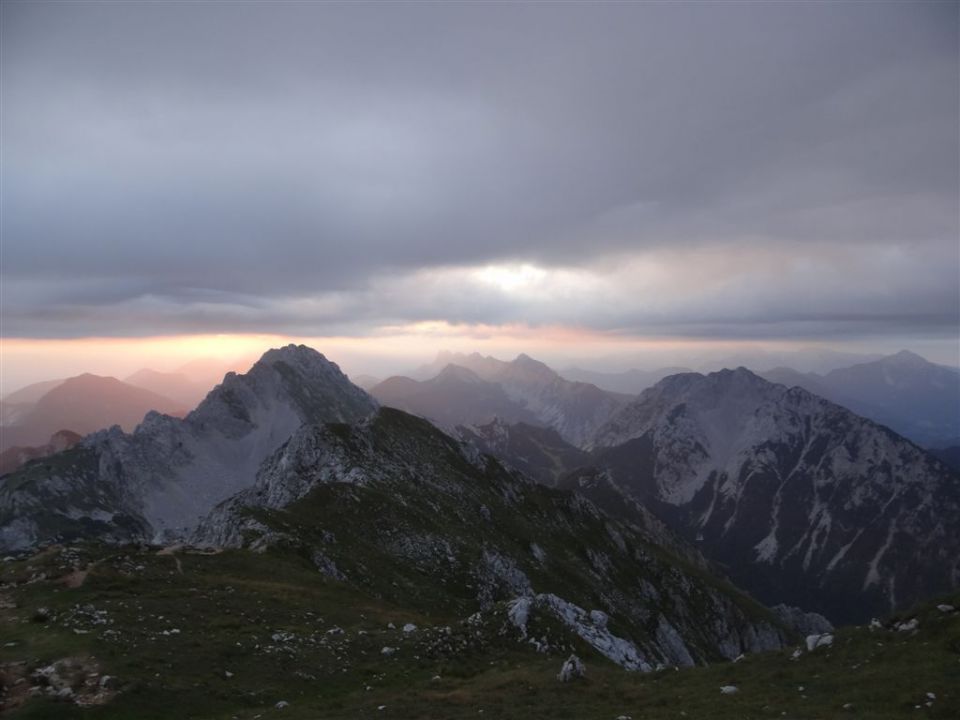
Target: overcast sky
(726, 171)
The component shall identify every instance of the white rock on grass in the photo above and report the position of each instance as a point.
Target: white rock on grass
(409, 628)
(729, 689)
(815, 641)
(572, 669)
(909, 625)
(386, 650)
(945, 608)
(282, 704)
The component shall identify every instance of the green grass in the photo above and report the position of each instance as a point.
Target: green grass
(227, 607)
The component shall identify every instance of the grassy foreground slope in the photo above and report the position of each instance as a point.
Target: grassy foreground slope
(180, 634)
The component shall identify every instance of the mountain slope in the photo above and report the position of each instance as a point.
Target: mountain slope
(803, 501)
(158, 480)
(538, 452)
(905, 392)
(396, 507)
(186, 634)
(85, 403)
(573, 409)
(456, 396)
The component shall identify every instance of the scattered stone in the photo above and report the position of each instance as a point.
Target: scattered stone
(931, 696)
(572, 669)
(848, 706)
(796, 654)
(409, 628)
(945, 608)
(386, 650)
(729, 689)
(227, 674)
(281, 705)
(875, 624)
(908, 625)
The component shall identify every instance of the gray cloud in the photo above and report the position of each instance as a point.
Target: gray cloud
(192, 167)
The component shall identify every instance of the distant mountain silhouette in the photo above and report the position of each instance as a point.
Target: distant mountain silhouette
(917, 398)
(457, 396)
(85, 403)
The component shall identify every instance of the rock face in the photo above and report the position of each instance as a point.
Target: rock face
(407, 513)
(802, 501)
(157, 481)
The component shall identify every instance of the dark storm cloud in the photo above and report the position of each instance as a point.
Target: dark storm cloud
(185, 167)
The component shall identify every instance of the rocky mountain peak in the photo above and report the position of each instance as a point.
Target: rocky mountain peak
(170, 471)
(293, 378)
(802, 499)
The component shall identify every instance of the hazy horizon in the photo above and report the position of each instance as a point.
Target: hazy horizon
(31, 366)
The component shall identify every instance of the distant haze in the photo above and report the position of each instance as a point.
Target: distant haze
(611, 185)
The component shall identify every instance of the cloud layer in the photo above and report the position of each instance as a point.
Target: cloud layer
(724, 170)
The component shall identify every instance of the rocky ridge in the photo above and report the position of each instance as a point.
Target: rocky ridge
(801, 500)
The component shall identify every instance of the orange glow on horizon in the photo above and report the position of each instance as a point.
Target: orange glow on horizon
(387, 350)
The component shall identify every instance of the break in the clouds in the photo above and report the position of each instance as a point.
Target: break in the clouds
(717, 170)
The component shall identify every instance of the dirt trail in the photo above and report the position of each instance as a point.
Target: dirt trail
(172, 550)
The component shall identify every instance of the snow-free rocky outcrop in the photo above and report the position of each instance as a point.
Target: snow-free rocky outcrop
(396, 507)
(158, 481)
(802, 501)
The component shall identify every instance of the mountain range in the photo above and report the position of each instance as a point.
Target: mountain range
(916, 398)
(796, 499)
(291, 457)
(523, 386)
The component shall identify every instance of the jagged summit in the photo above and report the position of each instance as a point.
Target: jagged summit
(805, 501)
(169, 471)
(301, 356)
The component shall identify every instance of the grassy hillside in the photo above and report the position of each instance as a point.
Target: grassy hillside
(231, 635)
